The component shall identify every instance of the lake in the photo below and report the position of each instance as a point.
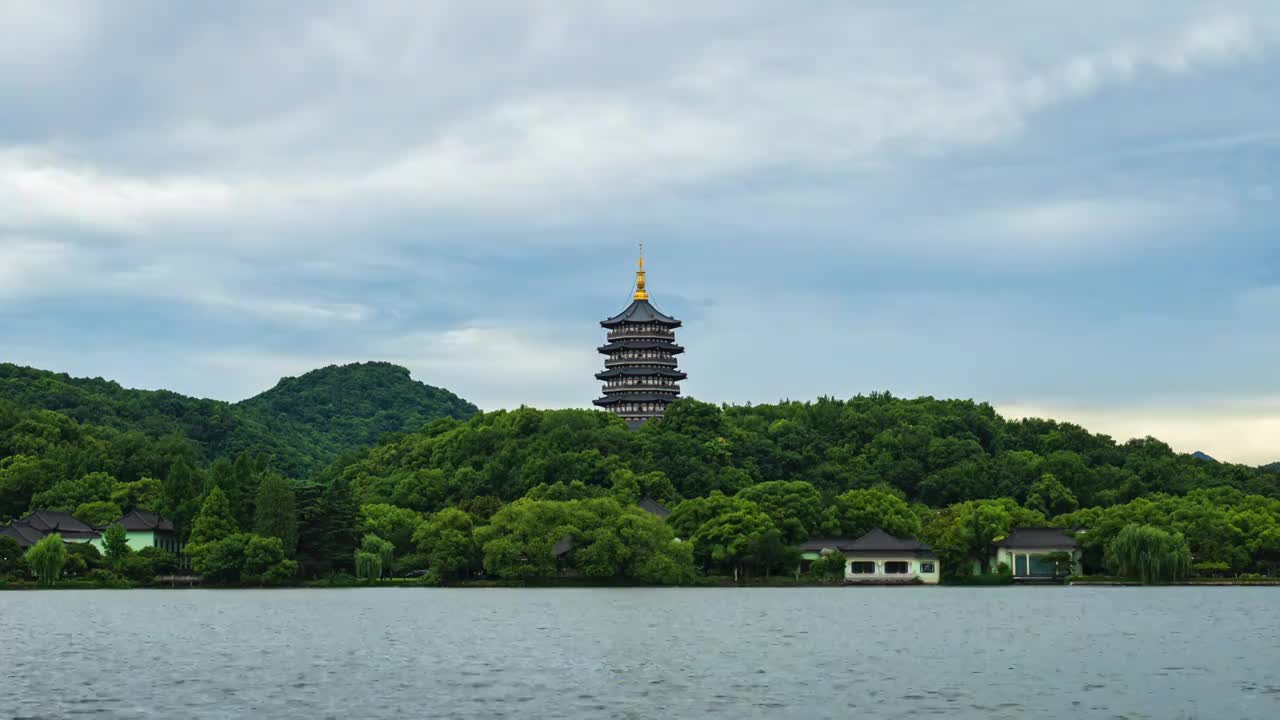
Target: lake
(642, 653)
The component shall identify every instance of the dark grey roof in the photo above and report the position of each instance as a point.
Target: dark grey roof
(876, 541)
(880, 541)
(24, 535)
(640, 311)
(640, 372)
(33, 528)
(1039, 539)
(563, 547)
(141, 520)
(820, 544)
(51, 521)
(650, 505)
(642, 345)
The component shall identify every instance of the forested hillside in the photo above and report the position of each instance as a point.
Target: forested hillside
(302, 424)
(936, 452)
(749, 483)
(529, 494)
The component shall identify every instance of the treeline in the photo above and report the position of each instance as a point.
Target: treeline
(935, 452)
(303, 424)
(526, 494)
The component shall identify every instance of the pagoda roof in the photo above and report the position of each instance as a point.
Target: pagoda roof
(640, 372)
(638, 397)
(640, 311)
(642, 345)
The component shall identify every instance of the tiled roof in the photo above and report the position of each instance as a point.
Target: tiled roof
(51, 521)
(142, 520)
(25, 535)
(650, 505)
(1039, 539)
(876, 541)
(641, 311)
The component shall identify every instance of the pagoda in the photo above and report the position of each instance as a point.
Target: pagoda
(640, 376)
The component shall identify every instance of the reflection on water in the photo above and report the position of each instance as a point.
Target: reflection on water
(643, 653)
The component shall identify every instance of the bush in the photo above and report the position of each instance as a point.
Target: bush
(106, 579)
(1211, 569)
(828, 568)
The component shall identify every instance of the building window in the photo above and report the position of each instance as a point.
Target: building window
(862, 568)
(897, 567)
(927, 568)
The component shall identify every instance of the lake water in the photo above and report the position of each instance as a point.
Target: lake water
(642, 653)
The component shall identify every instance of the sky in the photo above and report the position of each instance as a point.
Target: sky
(1066, 209)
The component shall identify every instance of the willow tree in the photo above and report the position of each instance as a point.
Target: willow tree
(374, 557)
(1149, 554)
(46, 559)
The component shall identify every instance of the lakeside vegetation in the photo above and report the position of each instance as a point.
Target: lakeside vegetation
(357, 473)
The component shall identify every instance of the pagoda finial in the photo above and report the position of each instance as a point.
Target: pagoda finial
(641, 293)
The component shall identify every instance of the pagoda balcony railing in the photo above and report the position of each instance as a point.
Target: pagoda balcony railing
(673, 387)
(623, 361)
(641, 335)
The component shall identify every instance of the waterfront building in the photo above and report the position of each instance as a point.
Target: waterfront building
(143, 528)
(146, 529)
(1025, 551)
(33, 528)
(879, 558)
(640, 375)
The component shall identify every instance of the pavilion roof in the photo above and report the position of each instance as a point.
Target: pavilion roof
(640, 311)
(1039, 538)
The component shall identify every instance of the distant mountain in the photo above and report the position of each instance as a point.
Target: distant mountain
(304, 423)
(1202, 456)
(1273, 467)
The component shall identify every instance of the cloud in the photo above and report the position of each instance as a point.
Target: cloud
(34, 266)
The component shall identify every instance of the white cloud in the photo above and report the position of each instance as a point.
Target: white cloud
(813, 95)
(34, 266)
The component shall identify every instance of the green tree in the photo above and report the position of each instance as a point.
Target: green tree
(276, 513)
(738, 542)
(829, 567)
(99, 512)
(1149, 554)
(447, 540)
(67, 495)
(373, 558)
(115, 545)
(46, 559)
(795, 507)
(145, 494)
(966, 533)
(327, 537)
(214, 522)
(265, 561)
(11, 563)
(857, 512)
(1050, 497)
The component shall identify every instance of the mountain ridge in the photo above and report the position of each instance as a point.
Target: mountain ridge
(303, 422)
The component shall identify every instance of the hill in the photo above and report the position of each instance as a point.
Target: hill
(935, 452)
(303, 423)
(338, 409)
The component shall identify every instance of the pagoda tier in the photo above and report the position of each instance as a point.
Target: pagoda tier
(640, 376)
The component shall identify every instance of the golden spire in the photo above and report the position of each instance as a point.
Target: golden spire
(641, 293)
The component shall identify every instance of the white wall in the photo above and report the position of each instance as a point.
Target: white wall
(915, 571)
